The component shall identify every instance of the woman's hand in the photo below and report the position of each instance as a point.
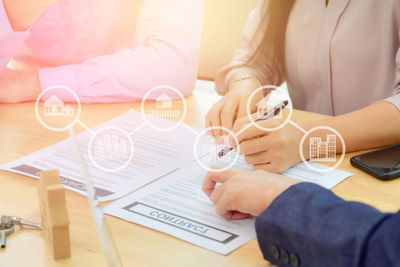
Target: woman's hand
(19, 86)
(233, 105)
(243, 194)
(273, 151)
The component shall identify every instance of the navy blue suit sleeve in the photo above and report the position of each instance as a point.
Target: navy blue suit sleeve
(308, 225)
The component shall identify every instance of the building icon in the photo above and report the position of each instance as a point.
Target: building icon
(112, 148)
(212, 148)
(323, 151)
(55, 107)
(164, 108)
(163, 102)
(263, 108)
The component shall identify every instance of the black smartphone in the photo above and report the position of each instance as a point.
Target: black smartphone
(383, 163)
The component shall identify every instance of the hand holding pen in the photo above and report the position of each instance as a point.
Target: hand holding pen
(271, 113)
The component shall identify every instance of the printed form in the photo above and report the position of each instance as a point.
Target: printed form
(176, 205)
(154, 155)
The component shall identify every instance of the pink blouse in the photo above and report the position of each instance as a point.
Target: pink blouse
(339, 58)
(110, 50)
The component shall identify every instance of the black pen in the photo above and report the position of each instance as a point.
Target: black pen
(267, 115)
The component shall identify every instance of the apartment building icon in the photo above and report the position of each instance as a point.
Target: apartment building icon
(323, 151)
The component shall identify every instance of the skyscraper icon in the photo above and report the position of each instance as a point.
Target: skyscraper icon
(323, 151)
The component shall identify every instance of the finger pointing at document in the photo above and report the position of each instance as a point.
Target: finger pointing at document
(243, 194)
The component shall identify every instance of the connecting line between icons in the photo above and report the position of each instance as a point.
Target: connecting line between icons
(291, 122)
(190, 129)
(137, 129)
(84, 126)
(244, 129)
(297, 126)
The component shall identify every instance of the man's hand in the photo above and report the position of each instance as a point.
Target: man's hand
(23, 13)
(244, 194)
(19, 86)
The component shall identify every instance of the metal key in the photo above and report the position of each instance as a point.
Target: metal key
(5, 222)
(4, 233)
(17, 220)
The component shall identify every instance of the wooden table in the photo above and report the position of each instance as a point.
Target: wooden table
(21, 134)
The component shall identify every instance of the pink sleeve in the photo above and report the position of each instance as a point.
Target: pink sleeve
(9, 40)
(166, 54)
(242, 54)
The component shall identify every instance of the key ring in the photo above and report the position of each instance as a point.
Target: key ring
(4, 233)
(9, 230)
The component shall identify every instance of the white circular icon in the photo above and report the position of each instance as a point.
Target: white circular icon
(55, 108)
(322, 151)
(265, 104)
(164, 107)
(110, 149)
(213, 153)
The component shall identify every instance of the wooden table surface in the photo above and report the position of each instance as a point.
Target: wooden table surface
(21, 134)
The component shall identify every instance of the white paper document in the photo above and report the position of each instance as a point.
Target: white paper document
(155, 154)
(301, 172)
(176, 205)
(327, 179)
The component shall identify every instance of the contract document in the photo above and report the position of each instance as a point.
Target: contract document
(176, 205)
(154, 155)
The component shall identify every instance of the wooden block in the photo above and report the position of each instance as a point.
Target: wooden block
(53, 209)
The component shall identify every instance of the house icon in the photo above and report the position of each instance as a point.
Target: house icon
(163, 102)
(68, 110)
(55, 107)
(263, 107)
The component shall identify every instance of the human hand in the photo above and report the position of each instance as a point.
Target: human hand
(273, 151)
(23, 13)
(19, 86)
(233, 106)
(243, 194)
